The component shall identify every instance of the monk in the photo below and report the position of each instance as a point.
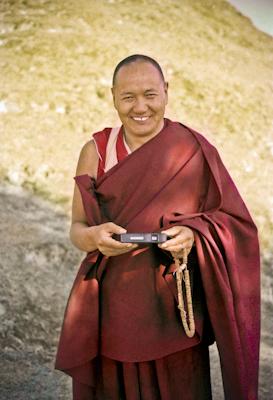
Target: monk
(122, 336)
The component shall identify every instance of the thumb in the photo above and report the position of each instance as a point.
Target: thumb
(116, 228)
(173, 231)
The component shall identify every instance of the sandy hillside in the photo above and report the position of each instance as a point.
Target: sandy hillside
(57, 59)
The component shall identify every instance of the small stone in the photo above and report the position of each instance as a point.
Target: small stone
(2, 309)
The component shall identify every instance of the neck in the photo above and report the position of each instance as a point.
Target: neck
(134, 142)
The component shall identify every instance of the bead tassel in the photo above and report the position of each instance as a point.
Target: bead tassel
(182, 274)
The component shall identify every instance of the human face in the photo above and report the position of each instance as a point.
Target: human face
(140, 97)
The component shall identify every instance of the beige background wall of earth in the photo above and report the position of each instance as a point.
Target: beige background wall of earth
(57, 59)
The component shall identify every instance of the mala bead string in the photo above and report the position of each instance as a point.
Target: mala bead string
(182, 273)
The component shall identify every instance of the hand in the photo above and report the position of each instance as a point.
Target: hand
(181, 238)
(102, 236)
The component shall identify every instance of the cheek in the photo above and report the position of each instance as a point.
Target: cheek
(123, 109)
(160, 106)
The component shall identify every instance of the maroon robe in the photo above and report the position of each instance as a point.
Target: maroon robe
(125, 307)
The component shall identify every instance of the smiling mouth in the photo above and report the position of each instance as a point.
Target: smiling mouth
(140, 119)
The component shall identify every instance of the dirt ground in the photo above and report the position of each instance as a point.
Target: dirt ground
(38, 265)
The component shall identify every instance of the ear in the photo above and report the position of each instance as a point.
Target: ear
(113, 95)
(166, 87)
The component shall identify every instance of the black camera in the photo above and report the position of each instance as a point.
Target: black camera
(154, 237)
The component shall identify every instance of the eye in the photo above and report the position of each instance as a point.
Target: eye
(128, 98)
(150, 95)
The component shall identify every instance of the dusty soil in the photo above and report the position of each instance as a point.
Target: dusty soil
(38, 265)
(37, 268)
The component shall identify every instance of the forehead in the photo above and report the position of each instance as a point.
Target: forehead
(138, 75)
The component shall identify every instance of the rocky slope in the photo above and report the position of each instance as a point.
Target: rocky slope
(37, 267)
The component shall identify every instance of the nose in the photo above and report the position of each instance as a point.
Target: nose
(140, 106)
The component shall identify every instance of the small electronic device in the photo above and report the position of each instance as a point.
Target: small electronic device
(154, 237)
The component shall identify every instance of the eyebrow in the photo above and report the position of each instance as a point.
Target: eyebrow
(126, 93)
(150, 90)
(131, 93)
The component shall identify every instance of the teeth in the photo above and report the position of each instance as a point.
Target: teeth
(140, 118)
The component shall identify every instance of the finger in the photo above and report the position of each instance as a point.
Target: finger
(115, 244)
(116, 252)
(177, 248)
(171, 242)
(180, 254)
(180, 246)
(173, 231)
(181, 240)
(134, 246)
(183, 231)
(114, 228)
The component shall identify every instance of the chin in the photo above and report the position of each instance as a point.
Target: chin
(143, 131)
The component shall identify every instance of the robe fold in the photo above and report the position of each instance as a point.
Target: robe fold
(125, 307)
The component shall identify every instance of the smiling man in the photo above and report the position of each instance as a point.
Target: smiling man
(122, 336)
(140, 97)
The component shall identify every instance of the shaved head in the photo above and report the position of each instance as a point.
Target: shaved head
(135, 58)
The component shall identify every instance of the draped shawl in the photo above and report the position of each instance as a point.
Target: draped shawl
(125, 307)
